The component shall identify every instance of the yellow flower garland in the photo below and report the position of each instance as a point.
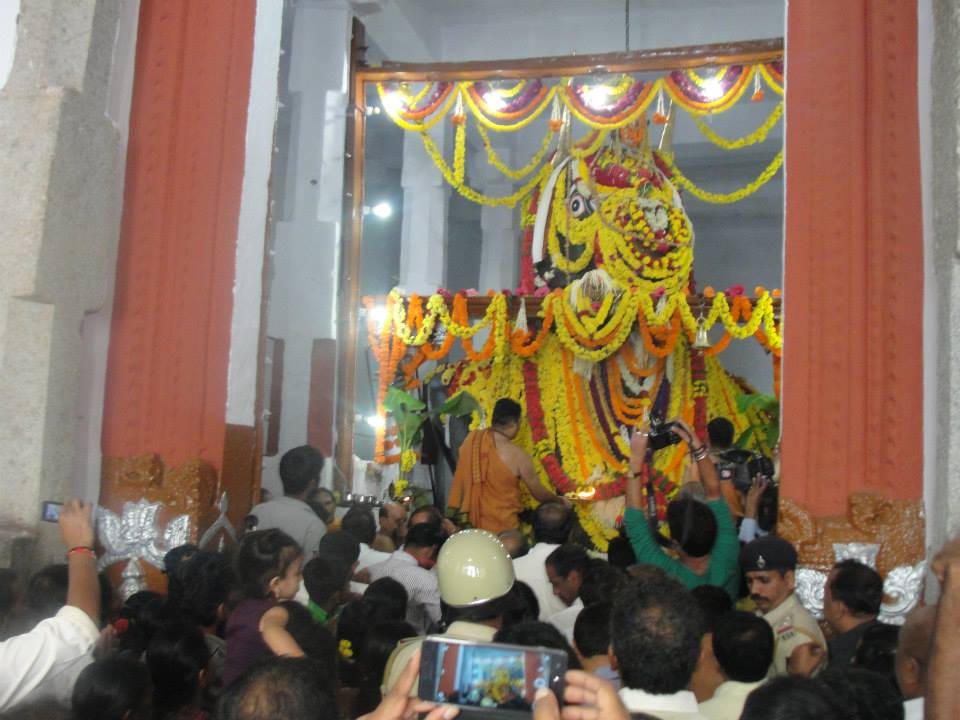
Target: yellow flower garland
(417, 126)
(450, 175)
(757, 136)
(520, 173)
(724, 198)
(519, 125)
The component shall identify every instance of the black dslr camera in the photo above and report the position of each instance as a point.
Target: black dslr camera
(661, 435)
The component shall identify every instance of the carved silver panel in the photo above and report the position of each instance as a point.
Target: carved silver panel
(865, 553)
(222, 523)
(904, 585)
(810, 585)
(134, 534)
(134, 579)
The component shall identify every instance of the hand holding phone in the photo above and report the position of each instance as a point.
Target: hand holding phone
(488, 676)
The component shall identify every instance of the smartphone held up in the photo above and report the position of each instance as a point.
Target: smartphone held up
(488, 676)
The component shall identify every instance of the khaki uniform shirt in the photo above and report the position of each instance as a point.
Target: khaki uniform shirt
(793, 625)
(406, 648)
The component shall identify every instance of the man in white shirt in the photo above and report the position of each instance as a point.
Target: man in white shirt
(44, 663)
(300, 474)
(655, 632)
(566, 567)
(551, 527)
(412, 566)
(913, 659)
(360, 523)
(743, 646)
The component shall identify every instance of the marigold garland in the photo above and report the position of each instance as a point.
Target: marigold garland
(725, 198)
(757, 136)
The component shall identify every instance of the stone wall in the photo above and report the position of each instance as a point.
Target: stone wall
(60, 199)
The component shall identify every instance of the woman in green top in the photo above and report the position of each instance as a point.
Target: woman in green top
(706, 544)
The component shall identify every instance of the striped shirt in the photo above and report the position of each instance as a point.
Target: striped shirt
(423, 592)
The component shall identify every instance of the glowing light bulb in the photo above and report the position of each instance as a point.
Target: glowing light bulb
(713, 89)
(392, 101)
(382, 210)
(597, 97)
(493, 100)
(376, 421)
(379, 314)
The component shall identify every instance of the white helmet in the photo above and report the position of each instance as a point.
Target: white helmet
(473, 567)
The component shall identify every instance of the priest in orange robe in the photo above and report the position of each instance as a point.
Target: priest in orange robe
(486, 486)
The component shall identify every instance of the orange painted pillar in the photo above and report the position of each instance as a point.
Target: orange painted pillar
(170, 338)
(852, 361)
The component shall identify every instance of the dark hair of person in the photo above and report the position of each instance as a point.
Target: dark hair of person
(538, 634)
(176, 656)
(386, 598)
(567, 558)
(692, 526)
(720, 431)
(46, 591)
(172, 561)
(425, 535)
(340, 545)
(203, 584)
(323, 577)
(868, 694)
(877, 650)
(316, 641)
(280, 687)
(299, 467)
(264, 555)
(378, 645)
(655, 628)
(743, 645)
(792, 698)
(115, 688)
(316, 504)
(552, 523)
(601, 581)
(714, 602)
(857, 586)
(360, 523)
(520, 605)
(620, 552)
(591, 632)
(425, 514)
(506, 411)
(143, 614)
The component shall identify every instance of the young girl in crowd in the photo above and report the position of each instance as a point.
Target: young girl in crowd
(268, 566)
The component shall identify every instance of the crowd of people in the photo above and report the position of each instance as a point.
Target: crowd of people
(319, 616)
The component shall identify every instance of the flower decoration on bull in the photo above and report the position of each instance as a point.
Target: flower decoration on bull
(614, 210)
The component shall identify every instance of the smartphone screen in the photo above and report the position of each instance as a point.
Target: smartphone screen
(51, 511)
(488, 676)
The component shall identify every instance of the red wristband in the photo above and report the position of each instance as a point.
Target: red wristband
(81, 549)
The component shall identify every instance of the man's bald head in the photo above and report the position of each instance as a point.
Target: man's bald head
(913, 651)
(515, 542)
(552, 523)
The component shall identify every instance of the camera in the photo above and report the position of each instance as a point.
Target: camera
(661, 435)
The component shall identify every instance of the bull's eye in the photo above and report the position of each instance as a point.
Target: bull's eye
(579, 206)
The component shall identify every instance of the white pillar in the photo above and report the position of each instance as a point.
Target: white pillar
(423, 238)
(500, 252)
(306, 234)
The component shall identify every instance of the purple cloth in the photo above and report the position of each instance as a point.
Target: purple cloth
(245, 644)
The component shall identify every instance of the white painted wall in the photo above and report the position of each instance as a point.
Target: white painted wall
(931, 309)
(9, 12)
(252, 227)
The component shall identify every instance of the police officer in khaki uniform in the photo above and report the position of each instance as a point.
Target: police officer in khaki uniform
(769, 564)
(475, 575)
